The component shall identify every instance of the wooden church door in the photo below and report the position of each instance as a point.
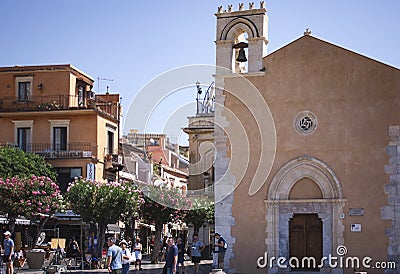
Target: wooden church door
(305, 238)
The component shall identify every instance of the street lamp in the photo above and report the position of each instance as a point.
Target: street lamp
(199, 91)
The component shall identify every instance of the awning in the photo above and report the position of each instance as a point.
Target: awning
(68, 215)
(18, 221)
(113, 229)
(152, 227)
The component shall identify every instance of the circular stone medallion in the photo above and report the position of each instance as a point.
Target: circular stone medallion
(305, 122)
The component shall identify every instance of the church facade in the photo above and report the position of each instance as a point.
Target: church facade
(307, 153)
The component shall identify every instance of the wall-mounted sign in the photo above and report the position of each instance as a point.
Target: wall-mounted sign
(356, 227)
(90, 171)
(356, 211)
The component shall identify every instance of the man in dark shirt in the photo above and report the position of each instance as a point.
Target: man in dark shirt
(221, 250)
(181, 255)
(171, 258)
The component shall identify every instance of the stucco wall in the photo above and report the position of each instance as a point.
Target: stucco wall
(355, 100)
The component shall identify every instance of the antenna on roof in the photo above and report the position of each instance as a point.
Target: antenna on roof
(102, 79)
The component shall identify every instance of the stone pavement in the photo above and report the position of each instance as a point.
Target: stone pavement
(148, 268)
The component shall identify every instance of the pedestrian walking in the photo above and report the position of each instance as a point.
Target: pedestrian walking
(197, 248)
(137, 248)
(181, 256)
(126, 256)
(114, 257)
(8, 257)
(171, 256)
(164, 246)
(222, 246)
(215, 254)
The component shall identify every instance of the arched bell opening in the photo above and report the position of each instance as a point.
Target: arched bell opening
(240, 61)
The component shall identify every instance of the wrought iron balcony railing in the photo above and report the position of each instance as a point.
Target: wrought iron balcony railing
(69, 151)
(58, 102)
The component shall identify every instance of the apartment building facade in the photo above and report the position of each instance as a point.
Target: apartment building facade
(51, 110)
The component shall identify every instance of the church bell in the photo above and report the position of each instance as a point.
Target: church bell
(242, 54)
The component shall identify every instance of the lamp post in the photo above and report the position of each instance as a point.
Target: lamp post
(199, 91)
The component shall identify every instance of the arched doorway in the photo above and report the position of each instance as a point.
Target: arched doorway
(307, 191)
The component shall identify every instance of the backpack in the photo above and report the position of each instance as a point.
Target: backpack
(225, 243)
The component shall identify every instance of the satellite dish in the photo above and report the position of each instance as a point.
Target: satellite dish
(152, 141)
(41, 238)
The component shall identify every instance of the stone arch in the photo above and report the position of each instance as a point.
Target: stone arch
(237, 26)
(280, 209)
(303, 167)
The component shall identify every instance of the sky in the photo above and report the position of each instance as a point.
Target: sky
(133, 42)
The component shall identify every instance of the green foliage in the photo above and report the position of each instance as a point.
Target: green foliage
(102, 202)
(160, 206)
(202, 211)
(163, 205)
(14, 162)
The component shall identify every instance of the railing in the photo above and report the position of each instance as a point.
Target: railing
(108, 107)
(51, 102)
(71, 150)
(28, 240)
(58, 102)
(115, 157)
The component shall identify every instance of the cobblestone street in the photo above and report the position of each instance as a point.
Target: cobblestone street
(148, 268)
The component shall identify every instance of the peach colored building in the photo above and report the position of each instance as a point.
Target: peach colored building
(51, 110)
(307, 153)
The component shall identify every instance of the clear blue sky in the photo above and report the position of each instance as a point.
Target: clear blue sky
(132, 42)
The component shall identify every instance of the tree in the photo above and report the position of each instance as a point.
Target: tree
(15, 162)
(35, 198)
(102, 203)
(162, 205)
(201, 212)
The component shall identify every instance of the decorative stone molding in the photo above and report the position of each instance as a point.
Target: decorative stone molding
(224, 182)
(305, 166)
(392, 210)
(241, 7)
(305, 122)
(280, 209)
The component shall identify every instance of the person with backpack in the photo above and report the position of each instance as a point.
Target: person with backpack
(222, 246)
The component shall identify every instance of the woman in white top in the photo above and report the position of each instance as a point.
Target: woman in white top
(126, 257)
(137, 248)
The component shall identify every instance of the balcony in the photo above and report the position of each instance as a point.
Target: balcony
(113, 161)
(59, 102)
(71, 151)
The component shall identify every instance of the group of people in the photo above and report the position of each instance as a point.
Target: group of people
(174, 254)
(120, 257)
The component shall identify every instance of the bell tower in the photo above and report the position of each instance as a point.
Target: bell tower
(242, 38)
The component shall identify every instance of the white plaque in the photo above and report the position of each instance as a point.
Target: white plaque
(90, 171)
(356, 227)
